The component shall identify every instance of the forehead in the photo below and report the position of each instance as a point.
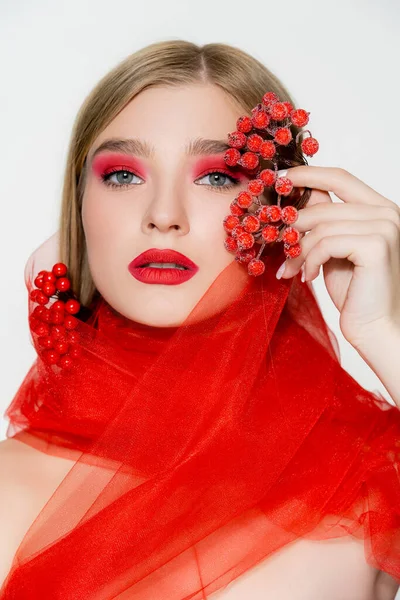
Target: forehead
(176, 114)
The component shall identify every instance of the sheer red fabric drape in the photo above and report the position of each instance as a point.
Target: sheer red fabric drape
(203, 449)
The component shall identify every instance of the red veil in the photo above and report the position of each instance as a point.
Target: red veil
(203, 448)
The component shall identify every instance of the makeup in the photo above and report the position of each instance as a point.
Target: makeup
(148, 267)
(217, 163)
(104, 163)
(164, 276)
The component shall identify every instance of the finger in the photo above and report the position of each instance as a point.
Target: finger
(383, 228)
(356, 248)
(319, 197)
(310, 216)
(343, 184)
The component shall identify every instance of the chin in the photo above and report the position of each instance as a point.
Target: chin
(158, 313)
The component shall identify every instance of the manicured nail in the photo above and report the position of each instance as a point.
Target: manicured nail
(282, 173)
(303, 277)
(280, 271)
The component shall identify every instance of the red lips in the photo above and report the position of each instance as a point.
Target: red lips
(156, 255)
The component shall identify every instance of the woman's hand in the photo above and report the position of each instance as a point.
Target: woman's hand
(358, 243)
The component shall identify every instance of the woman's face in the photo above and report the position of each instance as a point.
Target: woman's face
(168, 198)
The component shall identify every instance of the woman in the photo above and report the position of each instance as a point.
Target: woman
(203, 440)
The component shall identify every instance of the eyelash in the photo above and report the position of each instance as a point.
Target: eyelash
(106, 176)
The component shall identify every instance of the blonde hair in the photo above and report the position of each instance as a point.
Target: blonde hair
(171, 63)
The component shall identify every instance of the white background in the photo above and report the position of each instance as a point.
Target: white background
(339, 61)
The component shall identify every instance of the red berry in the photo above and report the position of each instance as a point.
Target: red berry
(268, 149)
(255, 187)
(230, 244)
(73, 337)
(270, 233)
(49, 289)
(299, 117)
(251, 223)
(235, 209)
(46, 314)
(41, 298)
(75, 352)
(283, 186)
(61, 346)
(46, 342)
(260, 119)
(268, 176)
(289, 214)
(244, 124)
(290, 236)
(262, 214)
(33, 295)
(56, 316)
(270, 98)
(310, 146)
(65, 362)
(58, 305)
(292, 251)
(33, 322)
(58, 332)
(59, 269)
(238, 230)
(244, 199)
(256, 267)
(245, 240)
(274, 213)
(282, 136)
(38, 281)
(237, 139)
(63, 284)
(278, 111)
(49, 277)
(254, 142)
(230, 222)
(38, 312)
(245, 256)
(231, 157)
(70, 322)
(50, 357)
(249, 160)
(289, 107)
(41, 329)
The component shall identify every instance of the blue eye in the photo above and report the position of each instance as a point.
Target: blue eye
(124, 179)
(225, 176)
(127, 175)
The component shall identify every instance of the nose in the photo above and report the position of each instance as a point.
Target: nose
(167, 211)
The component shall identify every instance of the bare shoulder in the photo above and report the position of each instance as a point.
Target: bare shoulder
(24, 468)
(28, 478)
(386, 587)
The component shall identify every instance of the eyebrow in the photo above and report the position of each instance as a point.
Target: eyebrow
(195, 147)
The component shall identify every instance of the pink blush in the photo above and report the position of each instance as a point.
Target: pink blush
(103, 163)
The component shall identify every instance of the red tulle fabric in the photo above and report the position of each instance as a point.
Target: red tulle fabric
(200, 450)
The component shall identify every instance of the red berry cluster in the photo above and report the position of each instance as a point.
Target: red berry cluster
(248, 145)
(55, 325)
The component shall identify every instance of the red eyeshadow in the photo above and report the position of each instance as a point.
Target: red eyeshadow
(104, 162)
(217, 163)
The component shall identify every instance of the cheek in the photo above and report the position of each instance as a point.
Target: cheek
(100, 219)
(210, 229)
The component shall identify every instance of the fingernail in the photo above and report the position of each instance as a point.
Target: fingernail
(280, 271)
(282, 173)
(303, 277)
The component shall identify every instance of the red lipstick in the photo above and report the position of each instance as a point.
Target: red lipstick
(140, 269)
